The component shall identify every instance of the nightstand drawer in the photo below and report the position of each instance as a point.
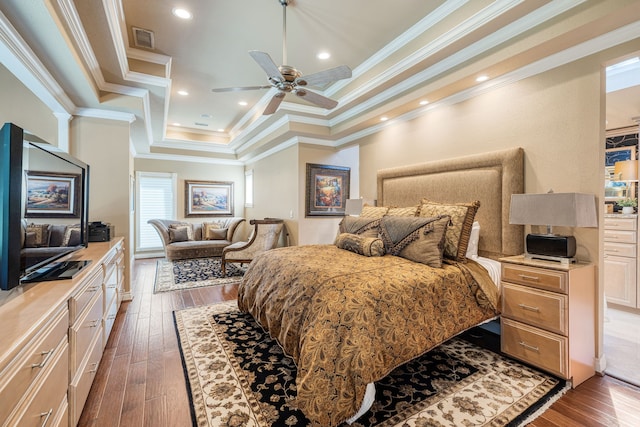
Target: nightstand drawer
(537, 277)
(532, 345)
(619, 249)
(620, 223)
(544, 309)
(620, 236)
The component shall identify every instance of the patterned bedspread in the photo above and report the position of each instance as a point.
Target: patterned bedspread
(348, 320)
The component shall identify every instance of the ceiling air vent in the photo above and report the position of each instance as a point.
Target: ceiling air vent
(143, 38)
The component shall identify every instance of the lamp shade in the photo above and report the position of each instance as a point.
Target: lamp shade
(554, 209)
(353, 207)
(626, 170)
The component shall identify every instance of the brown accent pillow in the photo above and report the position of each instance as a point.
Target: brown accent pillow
(366, 227)
(216, 234)
(71, 236)
(181, 229)
(407, 211)
(41, 234)
(211, 230)
(30, 239)
(459, 231)
(367, 246)
(373, 211)
(414, 238)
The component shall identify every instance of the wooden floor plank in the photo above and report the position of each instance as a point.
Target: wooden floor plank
(140, 380)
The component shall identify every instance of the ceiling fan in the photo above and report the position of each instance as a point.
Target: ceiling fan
(287, 79)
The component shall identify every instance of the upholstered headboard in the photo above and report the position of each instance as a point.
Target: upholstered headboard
(490, 178)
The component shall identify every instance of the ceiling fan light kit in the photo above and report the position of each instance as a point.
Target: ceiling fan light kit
(287, 79)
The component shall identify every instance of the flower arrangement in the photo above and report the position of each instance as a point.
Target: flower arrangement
(628, 202)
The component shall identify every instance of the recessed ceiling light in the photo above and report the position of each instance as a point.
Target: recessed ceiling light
(181, 13)
(384, 118)
(243, 103)
(424, 102)
(176, 124)
(183, 92)
(482, 78)
(323, 55)
(220, 130)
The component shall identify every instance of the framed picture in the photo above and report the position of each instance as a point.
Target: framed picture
(208, 198)
(52, 195)
(327, 190)
(615, 190)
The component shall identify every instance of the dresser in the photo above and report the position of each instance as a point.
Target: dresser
(548, 316)
(53, 337)
(621, 259)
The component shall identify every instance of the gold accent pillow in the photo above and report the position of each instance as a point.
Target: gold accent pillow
(40, 236)
(367, 246)
(373, 211)
(459, 231)
(214, 231)
(407, 211)
(414, 238)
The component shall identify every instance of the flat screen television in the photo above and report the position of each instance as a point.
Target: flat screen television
(44, 195)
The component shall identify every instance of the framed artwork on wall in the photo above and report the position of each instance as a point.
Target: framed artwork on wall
(208, 198)
(327, 190)
(52, 195)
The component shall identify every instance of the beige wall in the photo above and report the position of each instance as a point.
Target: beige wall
(104, 145)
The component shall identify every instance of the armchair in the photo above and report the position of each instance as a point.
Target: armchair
(264, 236)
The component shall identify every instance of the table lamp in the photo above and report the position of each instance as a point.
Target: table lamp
(553, 209)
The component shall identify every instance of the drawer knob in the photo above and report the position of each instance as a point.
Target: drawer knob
(46, 416)
(47, 355)
(527, 277)
(94, 368)
(528, 307)
(529, 347)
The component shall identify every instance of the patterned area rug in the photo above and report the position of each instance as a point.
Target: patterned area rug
(194, 273)
(239, 376)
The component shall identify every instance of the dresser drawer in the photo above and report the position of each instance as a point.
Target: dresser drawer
(620, 223)
(79, 301)
(38, 357)
(543, 349)
(537, 277)
(44, 404)
(109, 318)
(620, 249)
(536, 307)
(81, 384)
(84, 332)
(620, 236)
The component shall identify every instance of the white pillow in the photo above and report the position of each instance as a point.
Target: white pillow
(472, 249)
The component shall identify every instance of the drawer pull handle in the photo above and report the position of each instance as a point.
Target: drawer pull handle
(529, 347)
(93, 288)
(47, 355)
(94, 323)
(528, 307)
(525, 277)
(95, 368)
(46, 416)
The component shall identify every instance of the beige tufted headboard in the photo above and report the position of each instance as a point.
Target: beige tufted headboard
(490, 178)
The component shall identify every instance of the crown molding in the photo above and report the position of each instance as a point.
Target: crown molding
(105, 114)
(189, 159)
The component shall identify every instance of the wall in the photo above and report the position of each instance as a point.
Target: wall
(104, 145)
(192, 171)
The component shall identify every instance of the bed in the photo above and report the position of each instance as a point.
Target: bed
(348, 319)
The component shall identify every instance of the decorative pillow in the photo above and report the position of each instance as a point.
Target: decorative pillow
(71, 236)
(472, 249)
(41, 232)
(459, 231)
(373, 211)
(408, 211)
(211, 230)
(30, 239)
(367, 246)
(366, 227)
(183, 227)
(416, 239)
(178, 234)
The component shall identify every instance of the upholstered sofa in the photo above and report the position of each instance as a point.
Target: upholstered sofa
(183, 240)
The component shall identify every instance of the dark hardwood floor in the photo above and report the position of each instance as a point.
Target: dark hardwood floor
(140, 381)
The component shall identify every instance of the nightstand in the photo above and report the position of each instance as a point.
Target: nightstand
(548, 316)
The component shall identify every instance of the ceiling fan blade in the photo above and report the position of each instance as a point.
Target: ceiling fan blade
(264, 60)
(316, 98)
(237, 89)
(322, 78)
(274, 103)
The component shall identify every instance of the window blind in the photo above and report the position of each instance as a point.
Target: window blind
(156, 199)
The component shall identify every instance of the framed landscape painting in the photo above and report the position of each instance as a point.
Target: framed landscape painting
(327, 190)
(208, 198)
(52, 195)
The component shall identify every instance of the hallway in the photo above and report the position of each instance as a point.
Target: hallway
(622, 344)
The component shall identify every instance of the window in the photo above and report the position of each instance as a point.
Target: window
(248, 189)
(155, 199)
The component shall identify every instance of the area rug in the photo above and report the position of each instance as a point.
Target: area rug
(237, 375)
(194, 273)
